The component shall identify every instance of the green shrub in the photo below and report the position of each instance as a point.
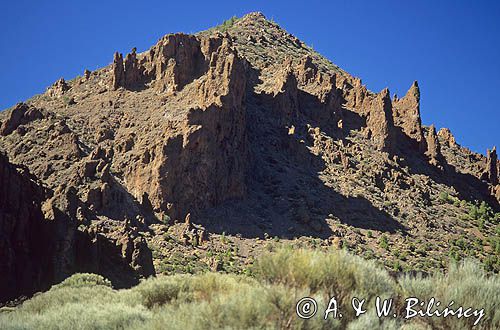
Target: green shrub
(225, 25)
(84, 280)
(467, 285)
(337, 273)
(384, 242)
(443, 197)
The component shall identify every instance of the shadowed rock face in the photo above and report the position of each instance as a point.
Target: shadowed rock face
(248, 132)
(39, 242)
(25, 238)
(492, 166)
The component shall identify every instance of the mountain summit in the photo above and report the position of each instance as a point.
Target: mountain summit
(164, 160)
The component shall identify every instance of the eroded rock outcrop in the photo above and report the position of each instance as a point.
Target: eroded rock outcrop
(22, 114)
(319, 98)
(379, 120)
(492, 166)
(433, 148)
(285, 95)
(128, 73)
(118, 71)
(199, 127)
(176, 60)
(132, 70)
(202, 158)
(306, 70)
(447, 137)
(121, 254)
(58, 89)
(354, 94)
(406, 115)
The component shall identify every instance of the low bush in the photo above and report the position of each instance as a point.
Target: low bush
(84, 280)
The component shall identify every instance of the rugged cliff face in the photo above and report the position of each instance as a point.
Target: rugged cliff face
(40, 244)
(208, 142)
(241, 131)
(26, 249)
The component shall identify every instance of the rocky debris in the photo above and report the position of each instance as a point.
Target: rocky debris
(406, 114)
(379, 121)
(192, 234)
(22, 114)
(58, 89)
(70, 146)
(433, 148)
(447, 137)
(491, 172)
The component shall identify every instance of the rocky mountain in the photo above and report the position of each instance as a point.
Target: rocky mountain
(206, 149)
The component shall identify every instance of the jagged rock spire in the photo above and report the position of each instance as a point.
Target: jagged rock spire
(118, 71)
(379, 121)
(126, 73)
(491, 166)
(406, 114)
(433, 147)
(133, 72)
(448, 138)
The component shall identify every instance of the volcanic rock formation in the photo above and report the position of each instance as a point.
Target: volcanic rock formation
(244, 131)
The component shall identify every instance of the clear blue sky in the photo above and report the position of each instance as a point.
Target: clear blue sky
(451, 47)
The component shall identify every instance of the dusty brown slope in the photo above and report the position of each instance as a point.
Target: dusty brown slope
(206, 143)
